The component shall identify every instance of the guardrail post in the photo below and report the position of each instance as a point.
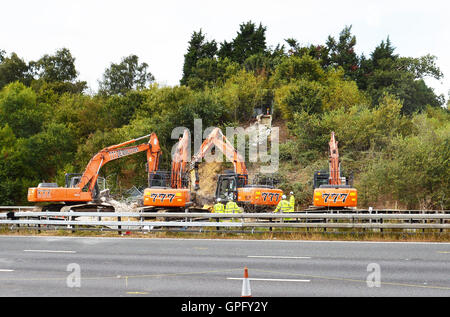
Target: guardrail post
(119, 227)
(70, 219)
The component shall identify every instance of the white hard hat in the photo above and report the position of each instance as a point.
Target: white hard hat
(283, 197)
(291, 193)
(218, 199)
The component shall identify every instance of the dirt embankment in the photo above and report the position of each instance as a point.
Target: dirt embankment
(207, 181)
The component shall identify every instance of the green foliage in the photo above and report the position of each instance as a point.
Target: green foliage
(297, 68)
(299, 96)
(414, 169)
(392, 133)
(198, 50)
(342, 52)
(56, 68)
(358, 128)
(250, 40)
(13, 69)
(20, 110)
(242, 93)
(127, 75)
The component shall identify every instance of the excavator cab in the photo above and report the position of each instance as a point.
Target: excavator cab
(321, 179)
(159, 179)
(72, 179)
(228, 184)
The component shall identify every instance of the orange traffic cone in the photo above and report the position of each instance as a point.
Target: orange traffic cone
(246, 291)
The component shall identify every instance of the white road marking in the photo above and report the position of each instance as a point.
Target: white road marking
(6, 270)
(50, 251)
(269, 279)
(279, 257)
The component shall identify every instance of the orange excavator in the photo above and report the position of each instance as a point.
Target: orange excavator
(81, 191)
(330, 189)
(234, 185)
(171, 190)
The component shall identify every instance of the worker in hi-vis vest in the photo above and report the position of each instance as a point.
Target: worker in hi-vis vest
(292, 201)
(232, 208)
(218, 208)
(284, 206)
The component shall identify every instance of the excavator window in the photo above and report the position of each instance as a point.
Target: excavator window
(226, 187)
(159, 179)
(321, 178)
(72, 179)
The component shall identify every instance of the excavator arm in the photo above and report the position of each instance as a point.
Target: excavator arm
(118, 151)
(335, 172)
(84, 188)
(217, 139)
(179, 162)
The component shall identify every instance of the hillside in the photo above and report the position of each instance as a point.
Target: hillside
(393, 130)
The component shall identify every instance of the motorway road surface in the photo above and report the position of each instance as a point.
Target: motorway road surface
(88, 266)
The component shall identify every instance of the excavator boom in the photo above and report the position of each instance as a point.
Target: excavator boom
(217, 139)
(83, 190)
(335, 173)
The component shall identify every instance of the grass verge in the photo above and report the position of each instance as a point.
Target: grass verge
(315, 235)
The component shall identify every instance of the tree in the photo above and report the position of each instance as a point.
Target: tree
(129, 74)
(199, 49)
(318, 52)
(294, 68)
(342, 52)
(13, 69)
(57, 72)
(299, 96)
(250, 40)
(56, 68)
(403, 77)
(383, 51)
(20, 110)
(265, 63)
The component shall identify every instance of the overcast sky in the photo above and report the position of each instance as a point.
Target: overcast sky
(100, 32)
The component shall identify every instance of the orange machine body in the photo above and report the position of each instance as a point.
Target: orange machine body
(53, 194)
(259, 196)
(335, 197)
(166, 197)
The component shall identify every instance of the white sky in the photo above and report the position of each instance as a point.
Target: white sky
(99, 32)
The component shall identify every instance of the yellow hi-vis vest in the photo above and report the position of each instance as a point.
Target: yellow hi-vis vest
(283, 206)
(218, 208)
(292, 203)
(232, 207)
